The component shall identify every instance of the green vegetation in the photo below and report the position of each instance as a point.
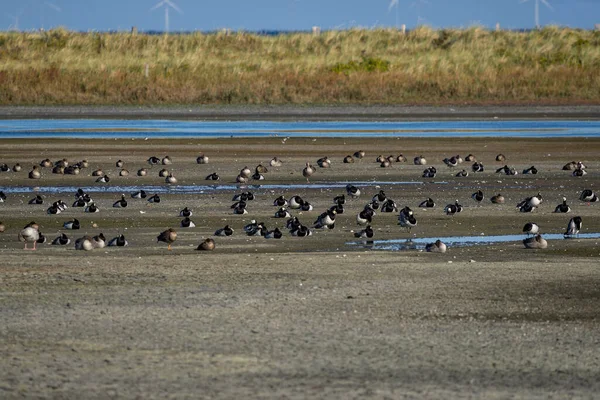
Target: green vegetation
(424, 66)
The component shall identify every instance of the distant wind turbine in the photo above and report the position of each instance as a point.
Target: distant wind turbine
(167, 4)
(15, 25)
(394, 3)
(53, 6)
(537, 10)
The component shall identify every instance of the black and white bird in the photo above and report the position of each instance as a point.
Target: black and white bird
(120, 203)
(388, 206)
(92, 208)
(225, 231)
(407, 219)
(535, 242)
(61, 240)
(155, 198)
(589, 196)
(530, 203)
(73, 224)
(452, 209)
(507, 170)
(365, 216)
(429, 203)
(436, 247)
(119, 241)
(282, 213)
(478, 196)
(141, 194)
(186, 212)
(187, 223)
(326, 220)
(531, 228)
(274, 234)
(37, 200)
(477, 167)
(212, 177)
(563, 207)
(429, 172)
(366, 233)
(573, 227)
(280, 201)
(380, 197)
(352, 191)
(531, 170)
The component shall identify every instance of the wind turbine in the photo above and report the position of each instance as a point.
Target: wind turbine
(15, 18)
(537, 10)
(394, 3)
(167, 4)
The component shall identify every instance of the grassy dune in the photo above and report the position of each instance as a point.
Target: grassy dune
(425, 66)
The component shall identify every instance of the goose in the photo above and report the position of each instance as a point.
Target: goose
(301, 231)
(186, 212)
(37, 200)
(275, 162)
(339, 208)
(58, 170)
(352, 191)
(53, 210)
(296, 202)
(531, 228)
(60, 205)
(589, 196)
(429, 203)
(29, 234)
(563, 207)
(436, 247)
(119, 164)
(167, 160)
(202, 159)
(280, 201)
(74, 224)
(274, 234)
(470, 158)
(2, 227)
(507, 170)
(84, 164)
(206, 245)
(388, 206)
(92, 208)
(142, 172)
(451, 162)
(530, 203)
(171, 179)
(169, 236)
(385, 164)
(339, 199)
(579, 172)
(257, 176)
(306, 206)
(477, 167)
(478, 196)
(240, 204)
(531, 170)
(348, 159)
(366, 233)
(244, 196)
(123, 172)
(103, 179)
(119, 241)
(255, 229)
(308, 171)
(42, 238)
(429, 172)
(462, 173)
(84, 243)
(500, 157)
(324, 162)
(292, 223)
(99, 241)
(570, 166)
(61, 240)
(381, 197)
(46, 163)
(535, 242)
(140, 194)
(240, 210)
(497, 199)
(2, 196)
(325, 220)
(374, 204)
(420, 160)
(62, 163)
(154, 160)
(163, 173)
(4, 168)
(187, 223)
(35, 173)
(17, 167)
(401, 158)
(452, 209)
(98, 172)
(359, 154)
(407, 219)
(245, 172)
(573, 227)
(261, 169)
(120, 203)
(155, 198)
(72, 170)
(241, 179)
(212, 177)
(225, 231)
(282, 213)
(365, 216)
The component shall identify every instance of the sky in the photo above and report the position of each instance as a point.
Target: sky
(293, 15)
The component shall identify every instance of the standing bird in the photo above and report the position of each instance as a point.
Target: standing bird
(535, 242)
(573, 227)
(531, 228)
(308, 171)
(563, 207)
(407, 219)
(30, 234)
(436, 247)
(168, 236)
(478, 196)
(120, 203)
(206, 245)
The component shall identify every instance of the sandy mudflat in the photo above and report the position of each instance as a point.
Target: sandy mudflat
(302, 317)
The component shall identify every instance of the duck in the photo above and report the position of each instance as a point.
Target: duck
(366, 233)
(187, 223)
(206, 245)
(119, 164)
(275, 162)
(36, 200)
(73, 224)
(245, 172)
(352, 191)
(531, 170)
(99, 241)
(573, 227)
(84, 243)
(202, 159)
(462, 173)
(225, 231)
(535, 242)
(452, 209)
(274, 234)
(420, 160)
(348, 159)
(212, 177)
(118, 241)
(155, 198)
(563, 207)
(280, 201)
(497, 199)
(500, 157)
(92, 208)
(61, 240)
(324, 162)
(477, 167)
(169, 236)
(589, 196)
(326, 220)
(436, 247)
(478, 196)
(166, 160)
(407, 219)
(120, 203)
(531, 228)
(171, 179)
(35, 173)
(140, 194)
(282, 213)
(154, 160)
(308, 171)
(142, 172)
(360, 154)
(429, 172)
(429, 203)
(186, 212)
(29, 234)
(103, 179)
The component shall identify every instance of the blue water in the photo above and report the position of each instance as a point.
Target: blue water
(43, 128)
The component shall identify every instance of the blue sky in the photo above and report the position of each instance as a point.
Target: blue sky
(252, 15)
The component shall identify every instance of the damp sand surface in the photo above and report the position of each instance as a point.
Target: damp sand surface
(301, 317)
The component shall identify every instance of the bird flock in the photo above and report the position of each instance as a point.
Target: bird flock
(379, 202)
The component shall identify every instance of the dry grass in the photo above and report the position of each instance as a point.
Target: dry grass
(475, 65)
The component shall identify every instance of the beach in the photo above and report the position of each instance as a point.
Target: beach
(326, 316)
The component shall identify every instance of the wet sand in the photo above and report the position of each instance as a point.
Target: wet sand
(302, 317)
